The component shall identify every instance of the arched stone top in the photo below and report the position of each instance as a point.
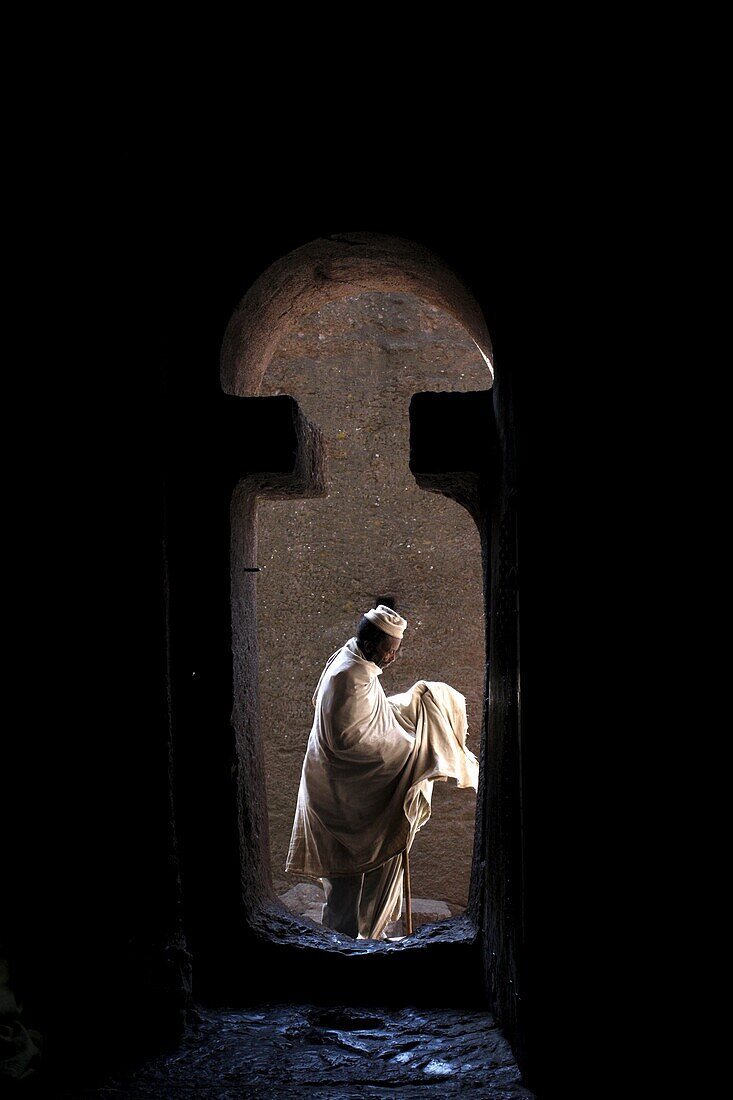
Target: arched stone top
(322, 271)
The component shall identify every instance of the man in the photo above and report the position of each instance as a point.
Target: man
(367, 777)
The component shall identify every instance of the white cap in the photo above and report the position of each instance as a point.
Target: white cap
(387, 620)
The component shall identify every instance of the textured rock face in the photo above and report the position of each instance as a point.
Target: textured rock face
(305, 899)
(283, 1051)
(353, 367)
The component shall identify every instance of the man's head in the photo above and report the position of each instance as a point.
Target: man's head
(379, 634)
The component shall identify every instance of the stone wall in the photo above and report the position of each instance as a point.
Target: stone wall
(353, 366)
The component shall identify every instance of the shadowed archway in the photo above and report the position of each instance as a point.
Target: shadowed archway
(269, 449)
(296, 286)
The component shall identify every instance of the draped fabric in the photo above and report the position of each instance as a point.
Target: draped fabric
(367, 778)
(362, 906)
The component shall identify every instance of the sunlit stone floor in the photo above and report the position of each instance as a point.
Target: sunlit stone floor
(280, 1051)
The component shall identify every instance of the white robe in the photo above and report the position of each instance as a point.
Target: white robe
(367, 778)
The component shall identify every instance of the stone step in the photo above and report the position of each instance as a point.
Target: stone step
(307, 898)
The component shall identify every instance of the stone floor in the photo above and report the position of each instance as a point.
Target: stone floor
(306, 899)
(279, 1051)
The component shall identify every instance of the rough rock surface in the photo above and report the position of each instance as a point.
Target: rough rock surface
(278, 1051)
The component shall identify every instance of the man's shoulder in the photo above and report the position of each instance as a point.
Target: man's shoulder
(348, 669)
(351, 670)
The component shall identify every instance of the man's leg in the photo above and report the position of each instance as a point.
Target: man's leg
(381, 898)
(341, 911)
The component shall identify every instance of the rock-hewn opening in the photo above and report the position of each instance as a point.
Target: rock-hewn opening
(353, 366)
(275, 307)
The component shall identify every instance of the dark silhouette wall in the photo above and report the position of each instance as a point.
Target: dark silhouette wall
(137, 461)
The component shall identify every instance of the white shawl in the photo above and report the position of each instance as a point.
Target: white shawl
(368, 773)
